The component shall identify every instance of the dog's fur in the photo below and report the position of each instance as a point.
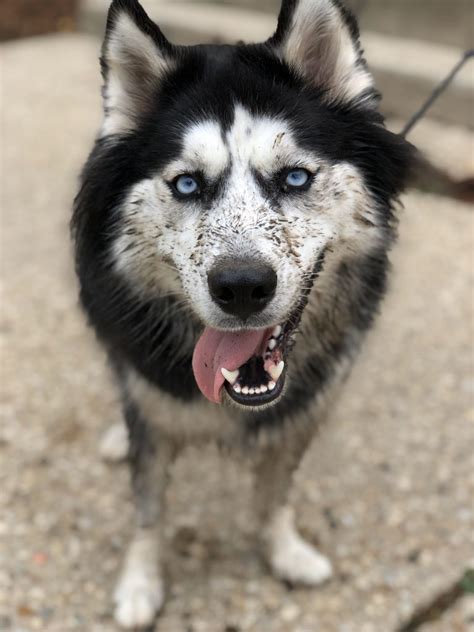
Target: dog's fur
(239, 116)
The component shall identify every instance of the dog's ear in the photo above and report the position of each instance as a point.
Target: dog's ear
(319, 39)
(135, 57)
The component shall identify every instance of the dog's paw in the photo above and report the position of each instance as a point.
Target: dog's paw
(113, 445)
(289, 556)
(296, 561)
(138, 599)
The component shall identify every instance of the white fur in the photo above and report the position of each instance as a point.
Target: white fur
(142, 237)
(289, 556)
(114, 443)
(203, 150)
(139, 594)
(319, 46)
(125, 94)
(264, 143)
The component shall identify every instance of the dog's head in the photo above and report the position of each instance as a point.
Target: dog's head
(238, 173)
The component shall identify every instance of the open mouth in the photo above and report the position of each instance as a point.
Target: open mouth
(249, 365)
(260, 380)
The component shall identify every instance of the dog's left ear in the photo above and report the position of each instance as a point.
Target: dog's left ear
(135, 58)
(319, 39)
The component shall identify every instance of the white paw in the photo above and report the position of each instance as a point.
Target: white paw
(113, 445)
(298, 562)
(290, 557)
(138, 599)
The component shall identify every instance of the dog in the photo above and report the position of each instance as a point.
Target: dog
(231, 236)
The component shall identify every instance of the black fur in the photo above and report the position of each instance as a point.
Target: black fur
(362, 284)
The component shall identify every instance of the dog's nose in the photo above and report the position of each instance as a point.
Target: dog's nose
(242, 288)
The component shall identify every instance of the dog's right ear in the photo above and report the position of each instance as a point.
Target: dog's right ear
(135, 57)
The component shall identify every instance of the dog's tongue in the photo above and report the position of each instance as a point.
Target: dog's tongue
(217, 349)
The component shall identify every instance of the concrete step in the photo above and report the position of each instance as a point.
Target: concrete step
(406, 70)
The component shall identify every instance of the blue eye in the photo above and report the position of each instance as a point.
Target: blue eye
(186, 185)
(297, 178)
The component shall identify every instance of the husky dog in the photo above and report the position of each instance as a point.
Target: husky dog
(231, 236)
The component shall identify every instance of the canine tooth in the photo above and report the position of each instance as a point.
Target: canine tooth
(263, 388)
(245, 390)
(272, 344)
(271, 386)
(276, 371)
(277, 331)
(230, 376)
(251, 391)
(237, 388)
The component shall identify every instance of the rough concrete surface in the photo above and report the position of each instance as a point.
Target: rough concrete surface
(386, 491)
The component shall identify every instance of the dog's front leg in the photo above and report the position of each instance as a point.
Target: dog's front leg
(288, 555)
(139, 593)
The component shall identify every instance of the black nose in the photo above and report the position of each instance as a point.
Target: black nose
(242, 288)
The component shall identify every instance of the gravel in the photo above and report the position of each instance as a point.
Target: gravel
(386, 490)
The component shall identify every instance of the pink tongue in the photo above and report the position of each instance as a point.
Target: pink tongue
(217, 349)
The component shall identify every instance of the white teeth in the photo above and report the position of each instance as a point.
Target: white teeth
(276, 371)
(276, 331)
(272, 344)
(254, 390)
(230, 376)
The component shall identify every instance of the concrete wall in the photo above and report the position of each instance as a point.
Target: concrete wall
(445, 21)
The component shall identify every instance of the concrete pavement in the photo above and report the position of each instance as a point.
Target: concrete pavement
(386, 491)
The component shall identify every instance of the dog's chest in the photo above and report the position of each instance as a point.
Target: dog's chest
(188, 421)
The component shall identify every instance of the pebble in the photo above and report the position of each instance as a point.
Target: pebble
(290, 613)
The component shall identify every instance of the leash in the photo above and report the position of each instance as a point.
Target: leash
(440, 88)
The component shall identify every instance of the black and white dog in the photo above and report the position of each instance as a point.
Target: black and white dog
(231, 236)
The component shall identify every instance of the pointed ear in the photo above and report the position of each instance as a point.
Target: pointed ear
(135, 57)
(319, 39)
